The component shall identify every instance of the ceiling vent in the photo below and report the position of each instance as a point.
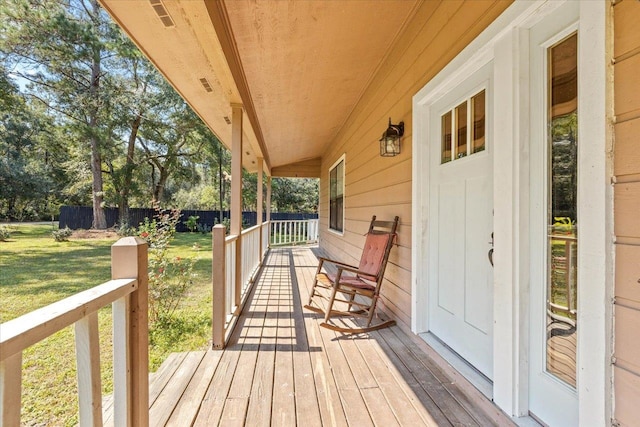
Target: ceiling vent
(162, 13)
(206, 85)
(226, 119)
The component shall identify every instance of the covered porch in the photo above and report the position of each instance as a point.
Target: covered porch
(280, 368)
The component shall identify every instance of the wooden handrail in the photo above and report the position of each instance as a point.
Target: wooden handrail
(250, 229)
(128, 293)
(31, 328)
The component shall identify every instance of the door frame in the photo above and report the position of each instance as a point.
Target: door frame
(505, 42)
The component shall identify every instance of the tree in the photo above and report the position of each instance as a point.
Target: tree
(31, 170)
(61, 47)
(295, 195)
(172, 138)
(137, 90)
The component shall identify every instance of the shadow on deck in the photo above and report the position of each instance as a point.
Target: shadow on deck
(281, 368)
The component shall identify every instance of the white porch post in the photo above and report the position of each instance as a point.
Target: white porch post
(259, 203)
(236, 192)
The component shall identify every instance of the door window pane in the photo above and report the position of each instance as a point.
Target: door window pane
(562, 218)
(461, 130)
(446, 137)
(478, 117)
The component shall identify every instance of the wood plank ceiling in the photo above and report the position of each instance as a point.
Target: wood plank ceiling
(299, 67)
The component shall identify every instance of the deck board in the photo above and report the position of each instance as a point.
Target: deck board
(403, 403)
(168, 399)
(281, 368)
(330, 405)
(283, 407)
(187, 408)
(261, 391)
(213, 403)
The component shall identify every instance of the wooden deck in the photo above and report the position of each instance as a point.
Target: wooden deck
(281, 368)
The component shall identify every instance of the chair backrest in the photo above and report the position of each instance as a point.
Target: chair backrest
(377, 247)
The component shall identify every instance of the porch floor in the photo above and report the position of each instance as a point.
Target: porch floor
(282, 368)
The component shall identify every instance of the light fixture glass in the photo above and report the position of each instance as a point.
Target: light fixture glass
(390, 141)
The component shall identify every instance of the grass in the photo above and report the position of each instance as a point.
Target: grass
(36, 271)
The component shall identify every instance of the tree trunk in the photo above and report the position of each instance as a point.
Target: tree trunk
(158, 189)
(99, 219)
(123, 211)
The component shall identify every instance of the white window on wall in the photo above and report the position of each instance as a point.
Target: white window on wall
(336, 196)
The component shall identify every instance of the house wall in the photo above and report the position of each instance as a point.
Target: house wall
(626, 15)
(381, 186)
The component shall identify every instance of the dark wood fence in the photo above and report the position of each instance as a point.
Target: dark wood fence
(80, 217)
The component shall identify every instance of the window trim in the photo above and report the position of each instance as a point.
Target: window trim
(333, 166)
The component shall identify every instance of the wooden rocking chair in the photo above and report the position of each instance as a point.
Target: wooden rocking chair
(361, 285)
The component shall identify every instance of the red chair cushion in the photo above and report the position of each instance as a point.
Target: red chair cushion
(373, 254)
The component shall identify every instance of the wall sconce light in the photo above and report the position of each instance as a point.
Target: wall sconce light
(390, 141)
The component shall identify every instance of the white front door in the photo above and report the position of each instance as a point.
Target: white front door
(461, 221)
(553, 46)
(552, 279)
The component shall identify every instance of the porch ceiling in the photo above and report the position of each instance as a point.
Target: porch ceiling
(299, 67)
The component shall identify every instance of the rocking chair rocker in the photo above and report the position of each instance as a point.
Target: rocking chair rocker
(360, 285)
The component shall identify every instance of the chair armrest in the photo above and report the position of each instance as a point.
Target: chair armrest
(349, 268)
(352, 269)
(338, 263)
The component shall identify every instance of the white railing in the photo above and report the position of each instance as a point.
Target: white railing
(265, 239)
(236, 261)
(251, 258)
(291, 232)
(230, 275)
(128, 294)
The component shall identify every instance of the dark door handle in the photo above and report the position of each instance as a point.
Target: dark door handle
(490, 254)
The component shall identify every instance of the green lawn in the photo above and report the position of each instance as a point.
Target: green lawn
(36, 271)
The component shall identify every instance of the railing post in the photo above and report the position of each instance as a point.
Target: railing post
(129, 260)
(10, 390)
(88, 370)
(218, 313)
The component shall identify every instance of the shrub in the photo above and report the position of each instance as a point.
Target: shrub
(192, 223)
(169, 278)
(204, 228)
(125, 230)
(62, 235)
(5, 233)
